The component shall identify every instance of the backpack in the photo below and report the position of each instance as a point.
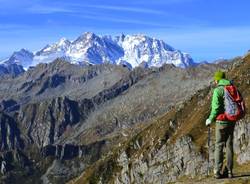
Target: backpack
(234, 105)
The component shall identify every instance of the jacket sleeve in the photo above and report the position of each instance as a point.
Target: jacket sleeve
(215, 105)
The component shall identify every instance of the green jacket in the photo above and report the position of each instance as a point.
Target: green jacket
(218, 100)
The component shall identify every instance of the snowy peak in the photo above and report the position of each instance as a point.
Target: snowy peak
(89, 48)
(143, 40)
(61, 46)
(82, 38)
(22, 57)
(141, 48)
(181, 59)
(93, 49)
(63, 42)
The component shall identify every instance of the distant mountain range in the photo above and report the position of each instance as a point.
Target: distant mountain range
(91, 49)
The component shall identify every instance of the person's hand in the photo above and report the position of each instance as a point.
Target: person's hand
(208, 122)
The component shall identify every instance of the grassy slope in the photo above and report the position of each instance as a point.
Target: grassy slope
(189, 119)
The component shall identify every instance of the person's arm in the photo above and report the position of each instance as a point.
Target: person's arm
(215, 105)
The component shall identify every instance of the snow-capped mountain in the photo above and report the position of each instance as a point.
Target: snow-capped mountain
(140, 48)
(60, 47)
(89, 48)
(93, 49)
(22, 57)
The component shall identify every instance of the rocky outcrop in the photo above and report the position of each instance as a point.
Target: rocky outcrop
(9, 105)
(69, 151)
(10, 136)
(45, 122)
(171, 162)
(242, 140)
(70, 160)
(12, 70)
(162, 165)
(51, 82)
(150, 160)
(12, 146)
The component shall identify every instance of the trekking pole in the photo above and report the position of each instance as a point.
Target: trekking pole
(208, 144)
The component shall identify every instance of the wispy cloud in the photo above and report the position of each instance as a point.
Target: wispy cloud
(162, 2)
(33, 7)
(121, 20)
(42, 9)
(124, 8)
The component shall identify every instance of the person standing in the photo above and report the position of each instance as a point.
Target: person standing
(224, 129)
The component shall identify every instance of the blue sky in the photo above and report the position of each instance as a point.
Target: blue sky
(207, 29)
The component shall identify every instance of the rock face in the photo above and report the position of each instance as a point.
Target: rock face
(70, 160)
(241, 143)
(12, 145)
(45, 122)
(163, 165)
(12, 70)
(69, 151)
(10, 134)
(170, 162)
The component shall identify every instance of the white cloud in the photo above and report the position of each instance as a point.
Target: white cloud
(120, 20)
(124, 8)
(161, 2)
(41, 9)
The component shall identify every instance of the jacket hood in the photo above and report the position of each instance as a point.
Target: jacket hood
(224, 82)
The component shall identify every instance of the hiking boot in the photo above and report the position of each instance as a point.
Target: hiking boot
(225, 172)
(230, 175)
(217, 175)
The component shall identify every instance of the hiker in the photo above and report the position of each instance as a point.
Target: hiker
(224, 128)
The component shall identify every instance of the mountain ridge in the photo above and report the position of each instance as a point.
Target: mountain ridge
(89, 49)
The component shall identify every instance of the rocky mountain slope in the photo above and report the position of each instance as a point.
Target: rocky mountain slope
(91, 49)
(59, 118)
(173, 147)
(12, 70)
